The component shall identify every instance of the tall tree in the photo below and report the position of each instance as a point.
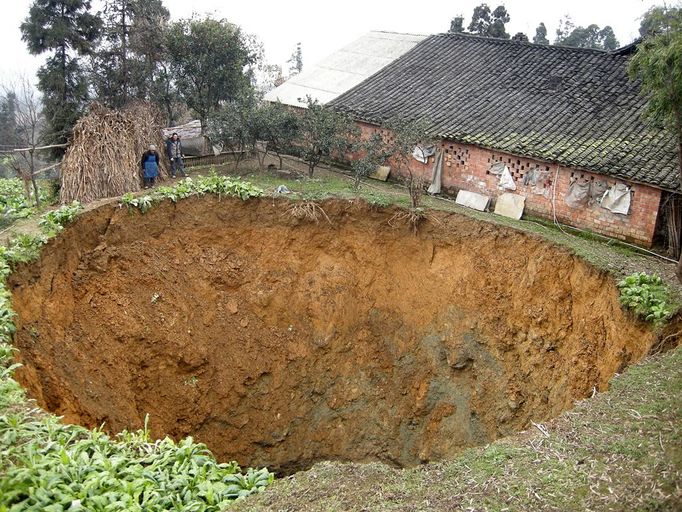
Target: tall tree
(457, 24)
(500, 16)
(68, 30)
(608, 38)
(541, 35)
(128, 61)
(208, 58)
(112, 63)
(485, 22)
(585, 37)
(658, 64)
(148, 42)
(480, 20)
(8, 119)
(296, 61)
(565, 27)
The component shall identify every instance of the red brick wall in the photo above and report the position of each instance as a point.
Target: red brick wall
(466, 167)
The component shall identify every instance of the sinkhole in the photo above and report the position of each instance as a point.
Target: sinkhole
(280, 342)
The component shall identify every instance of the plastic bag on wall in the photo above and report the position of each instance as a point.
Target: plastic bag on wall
(506, 180)
(422, 154)
(578, 193)
(617, 199)
(497, 168)
(436, 178)
(530, 178)
(597, 190)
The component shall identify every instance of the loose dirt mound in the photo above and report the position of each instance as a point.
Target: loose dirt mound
(283, 342)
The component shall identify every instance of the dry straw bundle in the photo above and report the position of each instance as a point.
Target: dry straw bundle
(103, 159)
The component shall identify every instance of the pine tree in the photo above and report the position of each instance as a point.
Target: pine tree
(127, 63)
(67, 29)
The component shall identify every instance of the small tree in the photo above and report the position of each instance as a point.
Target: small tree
(520, 36)
(29, 124)
(406, 135)
(375, 151)
(658, 64)
(324, 133)
(233, 126)
(277, 125)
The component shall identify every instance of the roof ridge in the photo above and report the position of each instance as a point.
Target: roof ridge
(398, 33)
(553, 47)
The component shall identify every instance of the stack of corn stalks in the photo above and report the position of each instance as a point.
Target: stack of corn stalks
(103, 159)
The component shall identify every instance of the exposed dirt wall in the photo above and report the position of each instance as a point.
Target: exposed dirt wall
(282, 342)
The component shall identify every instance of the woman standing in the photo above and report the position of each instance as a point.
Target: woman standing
(150, 166)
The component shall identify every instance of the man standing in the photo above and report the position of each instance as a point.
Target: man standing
(174, 150)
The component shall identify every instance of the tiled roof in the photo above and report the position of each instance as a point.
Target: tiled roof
(573, 106)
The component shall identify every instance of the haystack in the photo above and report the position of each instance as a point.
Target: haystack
(103, 158)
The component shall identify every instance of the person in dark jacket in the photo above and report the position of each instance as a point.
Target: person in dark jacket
(174, 150)
(150, 166)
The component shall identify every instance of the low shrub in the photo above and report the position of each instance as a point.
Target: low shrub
(647, 296)
(54, 221)
(211, 184)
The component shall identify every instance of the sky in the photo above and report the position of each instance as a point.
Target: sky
(323, 27)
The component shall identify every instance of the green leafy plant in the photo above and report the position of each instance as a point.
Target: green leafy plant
(14, 203)
(142, 203)
(66, 467)
(51, 466)
(53, 222)
(211, 184)
(647, 296)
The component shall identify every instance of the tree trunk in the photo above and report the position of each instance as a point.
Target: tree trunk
(32, 170)
(280, 161)
(678, 126)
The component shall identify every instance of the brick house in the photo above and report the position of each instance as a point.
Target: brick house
(557, 117)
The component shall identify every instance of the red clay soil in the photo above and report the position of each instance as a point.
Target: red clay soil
(278, 341)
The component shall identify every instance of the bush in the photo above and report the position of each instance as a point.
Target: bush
(646, 296)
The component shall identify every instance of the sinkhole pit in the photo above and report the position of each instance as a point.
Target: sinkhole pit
(279, 341)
